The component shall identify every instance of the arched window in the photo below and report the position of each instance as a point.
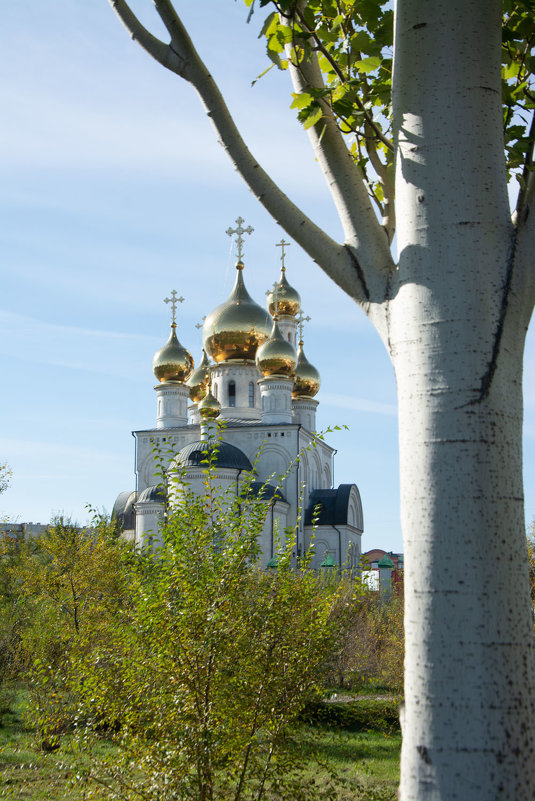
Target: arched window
(251, 394)
(290, 337)
(232, 393)
(215, 390)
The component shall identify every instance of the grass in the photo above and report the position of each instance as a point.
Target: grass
(27, 773)
(365, 764)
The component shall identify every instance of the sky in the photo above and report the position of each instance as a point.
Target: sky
(113, 192)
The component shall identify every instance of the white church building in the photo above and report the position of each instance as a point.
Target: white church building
(255, 378)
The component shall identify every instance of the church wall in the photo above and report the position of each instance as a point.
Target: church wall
(273, 532)
(242, 400)
(288, 328)
(148, 519)
(342, 542)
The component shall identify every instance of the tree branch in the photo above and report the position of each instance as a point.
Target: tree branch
(361, 228)
(335, 259)
(524, 279)
(389, 211)
(527, 189)
(343, 78)
(161, 52)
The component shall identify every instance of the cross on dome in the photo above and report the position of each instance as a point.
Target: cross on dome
(300, 320)
(274, 292)
(283, 244)
(173, 300)
(200, 325)
(240, 231)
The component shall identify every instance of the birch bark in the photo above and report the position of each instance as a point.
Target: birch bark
(456, 337)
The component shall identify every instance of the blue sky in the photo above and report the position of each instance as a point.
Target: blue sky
(113, 191)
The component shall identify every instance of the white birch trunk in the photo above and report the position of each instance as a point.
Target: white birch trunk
(469, 711)
(456, 340)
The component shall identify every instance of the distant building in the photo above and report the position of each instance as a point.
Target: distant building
(382, 570)
(255, 377)
(22, 531)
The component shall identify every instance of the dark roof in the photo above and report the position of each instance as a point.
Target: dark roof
(156, 494)
(123, 509)
(266, 491)
(224, 455)
(332, 506)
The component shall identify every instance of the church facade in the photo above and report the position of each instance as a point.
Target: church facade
(255, 379)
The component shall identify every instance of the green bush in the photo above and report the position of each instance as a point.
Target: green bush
(363, 714)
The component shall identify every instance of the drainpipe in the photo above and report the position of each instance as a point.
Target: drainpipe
(298, 487)
(339, 546)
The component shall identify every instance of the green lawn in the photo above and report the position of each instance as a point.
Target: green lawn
(365, 765)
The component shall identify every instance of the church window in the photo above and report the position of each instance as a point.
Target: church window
(251, 394)
(215, 390)
(290, 338)
(232, 393)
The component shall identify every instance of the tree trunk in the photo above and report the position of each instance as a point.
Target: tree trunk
(469, 670)
(469, 694)
(456, 336)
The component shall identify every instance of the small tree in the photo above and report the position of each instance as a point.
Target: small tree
(198, 679)
(13, 616)
(67, 580)
(371, 650)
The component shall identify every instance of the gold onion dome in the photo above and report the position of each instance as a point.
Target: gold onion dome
(307, 378)
(197, 382)
(172, 362)
(283, 299)
(209, 407)
(235, 329)
(276, 357)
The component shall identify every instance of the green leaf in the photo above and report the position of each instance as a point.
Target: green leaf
(369, 64)
(301, 100)
(313, 117)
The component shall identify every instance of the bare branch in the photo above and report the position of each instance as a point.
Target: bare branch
(524, 218)
(151, 44)
(364, 282)
(168, 16)
(524, 273)
(389, 208)
(527, 190)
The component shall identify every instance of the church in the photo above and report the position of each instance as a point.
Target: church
(254, 393)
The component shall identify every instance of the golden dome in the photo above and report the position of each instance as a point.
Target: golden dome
(172, 362)
(276, 356)
(307, 378)
(197, 381)
(235, 329)
(209, 407)
(288, 299)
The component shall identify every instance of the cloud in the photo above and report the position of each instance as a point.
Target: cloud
(93, 350)
(358, 404)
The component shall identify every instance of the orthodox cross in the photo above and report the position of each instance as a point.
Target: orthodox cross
(275, 299)
(173, 300)
(300, 320)
(282, 244)
(200, 325)
(239, 231)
